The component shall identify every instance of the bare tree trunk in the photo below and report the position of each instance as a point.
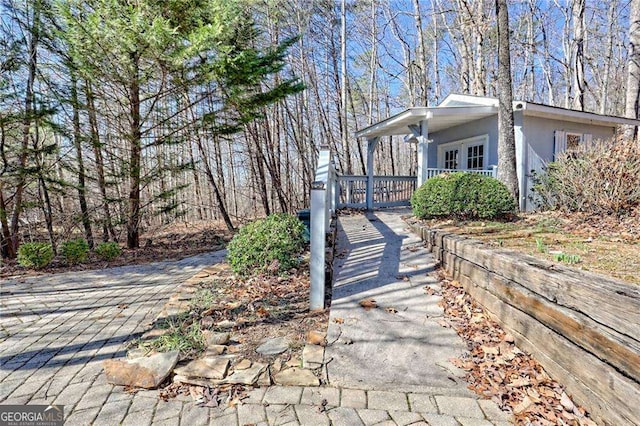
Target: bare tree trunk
(107, 225)
(135, 144)
(604, 88)
(579, 82)
(343, 86)
(82, 190)
(26, 127)
(423, 78)
(506, 138)
(633, 69)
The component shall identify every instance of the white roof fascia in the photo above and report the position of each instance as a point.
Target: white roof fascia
(558, 113)
(411, 116)
(468, 99)
(415, 115)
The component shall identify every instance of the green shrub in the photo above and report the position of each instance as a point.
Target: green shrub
(75, 251)
(464, 196)
(108, 251)
(272, 245)
(35, 255)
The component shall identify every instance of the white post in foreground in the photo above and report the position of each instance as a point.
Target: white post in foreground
(318, 236)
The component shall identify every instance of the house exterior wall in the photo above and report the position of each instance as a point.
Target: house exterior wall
(486, 126)
(539, 134)
(535, 143)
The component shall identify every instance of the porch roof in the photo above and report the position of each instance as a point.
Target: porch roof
(438, 118)
(458, 109)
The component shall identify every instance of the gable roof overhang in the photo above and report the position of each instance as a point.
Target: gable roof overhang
(457, 109)
(557, 113)
(438, 118)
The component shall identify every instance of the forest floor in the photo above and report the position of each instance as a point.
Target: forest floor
(169, 242)
(602, 244)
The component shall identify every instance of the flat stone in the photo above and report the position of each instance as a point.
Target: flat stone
(312, 356)
(226, 324)
(293, 362)
(440, 420)
(202, 274)
(315, 337)
(281, 414)
(296, 377)
(492, 411)
(147, 372)
(265, 378)
(197, 381)
(242, 364)
(404, 418)
(273, 346)
(208, 368)
(216, 338)
(309, 415)
(248, 376)
(215, 350)
(469, 421)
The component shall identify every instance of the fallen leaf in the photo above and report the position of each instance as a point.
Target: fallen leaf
(523, 406)
(402, 277)
(368, 304)
(391, 310)
(338, 320)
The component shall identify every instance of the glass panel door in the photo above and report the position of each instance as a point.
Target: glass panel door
(451, 159)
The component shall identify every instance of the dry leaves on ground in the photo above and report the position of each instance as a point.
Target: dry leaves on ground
(498, 370)
(368, 304)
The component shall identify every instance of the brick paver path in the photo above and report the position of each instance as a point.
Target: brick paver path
(57, 329)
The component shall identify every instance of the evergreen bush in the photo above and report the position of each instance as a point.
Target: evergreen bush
(272, 245)
(463, 196)
(75, 251)
(35, 255)
(108, 251)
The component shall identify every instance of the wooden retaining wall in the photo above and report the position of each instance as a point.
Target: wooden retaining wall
(584, 328)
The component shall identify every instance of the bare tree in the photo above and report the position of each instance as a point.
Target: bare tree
(506, 138)
(633, 70)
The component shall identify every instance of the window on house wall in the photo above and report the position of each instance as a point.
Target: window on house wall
(569, 141)
(466, 154)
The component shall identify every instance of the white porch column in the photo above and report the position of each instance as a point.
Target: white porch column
(371, 147)
(423, 151)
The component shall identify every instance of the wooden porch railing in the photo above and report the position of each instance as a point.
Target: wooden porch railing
(489, 172)
(388, 191)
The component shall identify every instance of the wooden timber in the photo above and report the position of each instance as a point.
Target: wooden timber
(584, 328)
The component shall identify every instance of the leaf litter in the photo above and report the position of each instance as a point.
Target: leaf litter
(496, 369)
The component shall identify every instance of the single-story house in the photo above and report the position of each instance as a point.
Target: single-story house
(461, 133)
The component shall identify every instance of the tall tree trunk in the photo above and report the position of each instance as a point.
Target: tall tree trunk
(82, 190)
(26, 126)
(579, 82)
(135, 146)
(604, 88)
(633, 69)
(107, 224)
(344, 131)
(423, 78)
(506, 138)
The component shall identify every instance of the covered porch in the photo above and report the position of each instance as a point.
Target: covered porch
(414, 125)
(331, 190)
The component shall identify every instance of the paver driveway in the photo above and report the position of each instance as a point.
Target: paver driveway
(57, 329)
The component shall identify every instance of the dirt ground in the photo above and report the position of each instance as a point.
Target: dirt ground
(605, 245)
(170, 242)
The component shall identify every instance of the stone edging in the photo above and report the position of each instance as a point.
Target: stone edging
(582, 327)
